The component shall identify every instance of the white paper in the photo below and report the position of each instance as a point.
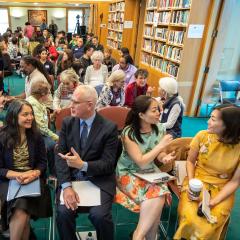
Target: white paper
(88, 193)
(195, 31)
(181, 171)
(155, 177)
(205, 204)
(128, 24)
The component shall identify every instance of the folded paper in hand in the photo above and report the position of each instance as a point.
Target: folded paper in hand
(156, 177)
(17, 190)
(88, 193)
(205, 207)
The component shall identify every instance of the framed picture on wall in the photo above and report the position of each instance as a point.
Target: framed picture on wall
(35, 17)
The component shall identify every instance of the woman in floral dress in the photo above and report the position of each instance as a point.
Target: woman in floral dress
(143, 140)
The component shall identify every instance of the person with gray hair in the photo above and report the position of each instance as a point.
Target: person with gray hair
(172, 106)
(87, 151)
(62, 96)
(113, 92)
(97, 73)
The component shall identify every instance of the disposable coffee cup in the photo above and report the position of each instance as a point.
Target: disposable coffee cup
(195, 186)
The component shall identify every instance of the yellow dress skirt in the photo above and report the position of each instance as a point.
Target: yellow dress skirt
(193, 227)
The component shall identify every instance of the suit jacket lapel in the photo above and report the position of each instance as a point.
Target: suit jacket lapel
(96, 127)
(76, 134)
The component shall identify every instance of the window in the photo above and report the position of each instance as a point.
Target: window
(4, 21)
(72, 19)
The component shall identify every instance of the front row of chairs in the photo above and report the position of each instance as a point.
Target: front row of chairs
(181, 148)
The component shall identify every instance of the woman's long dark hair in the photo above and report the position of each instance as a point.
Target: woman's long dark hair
(140, 105)
(230, 115)
(10, 132)
(67, 63)
(29, 60)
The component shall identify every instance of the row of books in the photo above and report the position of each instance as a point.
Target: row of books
(159, 48)
(149, 31)
(118, 16)
(171, 52)
(113, 44)
(117, 36)
(149, 16)
(119, 6)
(165, 3)
(115, 26)
(164, 17)
(180, 17)
(174, 53)
(161, 33)
(152, 4)
(175, 37)
(171, 36)
(174, 3)
(181, 3)
(165, 66)
(147, 45)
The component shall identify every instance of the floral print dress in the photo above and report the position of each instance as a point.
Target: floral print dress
(131, 190)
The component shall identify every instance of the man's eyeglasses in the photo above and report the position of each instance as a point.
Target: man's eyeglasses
(78, 102)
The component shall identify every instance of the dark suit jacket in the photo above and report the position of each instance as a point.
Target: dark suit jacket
(100, 152)
(37, 156)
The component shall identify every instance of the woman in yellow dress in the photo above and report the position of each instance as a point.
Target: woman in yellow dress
(214, 158)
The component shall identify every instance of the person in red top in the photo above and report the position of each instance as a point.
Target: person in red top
(28, 30)
(137, 88)
(53, 54)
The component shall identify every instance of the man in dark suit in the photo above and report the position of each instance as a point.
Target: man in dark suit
(87, 151)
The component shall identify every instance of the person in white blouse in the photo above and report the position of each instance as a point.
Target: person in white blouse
(172, 106)
(97, 73)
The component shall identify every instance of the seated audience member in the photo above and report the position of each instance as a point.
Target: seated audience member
(143, 140)
(127, 67)
(77, 67)
(113, 92)
(23, 158)
(125, 51)
(52, 52)
(137, 88)
(93, 159)
(39, 94)
(48, 65)
(23, 44)
(172, 106)
(73, 42)
(13, 49)
(78, 50)
(97, 73)
(28, 30)
(96, 45)
(64, 61)
(89, 38)
(108, 60)
(62, 96)
(85, 60)
(214, 158)
(34, 71)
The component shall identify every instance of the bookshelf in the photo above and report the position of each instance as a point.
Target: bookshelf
(115, 24)
(165, 25)
(164, 46)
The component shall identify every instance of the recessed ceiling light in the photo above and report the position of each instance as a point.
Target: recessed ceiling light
(35, 3)
(76, 4)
